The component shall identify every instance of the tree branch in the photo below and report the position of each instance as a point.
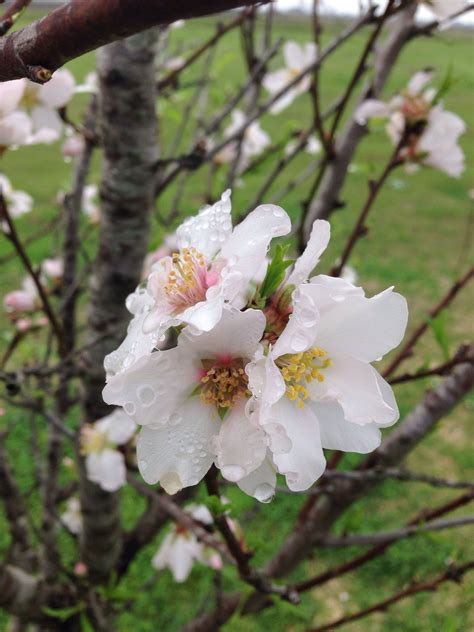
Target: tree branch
(80, 26)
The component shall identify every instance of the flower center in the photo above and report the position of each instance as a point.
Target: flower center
(415, 109)
(300, 369)
(189, 278)
(223, 383)
(30, 97)
(92, 441)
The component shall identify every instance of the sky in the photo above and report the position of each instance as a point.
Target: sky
(352, 7)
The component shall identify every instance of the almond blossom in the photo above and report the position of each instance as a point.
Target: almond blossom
(312, 147)
(214, 265)
(90, 203)
(444, 9)
(254, 141)
(105, 465)
(22, 300)
(297, 58)
(42, 102)
(432, 132)
(316, 380)
(192, 400)
(72, 517)
(15, 126)
(180, 548)
(19, 202)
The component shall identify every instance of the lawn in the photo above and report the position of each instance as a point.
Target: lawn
(418, 241)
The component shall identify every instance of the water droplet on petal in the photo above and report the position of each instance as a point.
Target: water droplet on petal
(146, 395)
(175, 419)
(142, 465)
(299, 341)
(233, 473)
(277, 212)
(130, 408)
(264, 493)
(171, 483)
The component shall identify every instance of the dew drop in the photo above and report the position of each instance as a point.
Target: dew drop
(264, 493)
(175, 419)
(142, 465)
(299, 341)
(233, 473)
(277, 212)
(130, 408)
(146, 395)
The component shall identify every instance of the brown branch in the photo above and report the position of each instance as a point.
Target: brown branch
(221, 30)
(12, 235)
(380, 549)
(360, 229)
(80, 26)
(12, 14)
(459, 357)
(407, 348)
(454, 573)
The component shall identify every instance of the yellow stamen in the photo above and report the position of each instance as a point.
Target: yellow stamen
(301, 368)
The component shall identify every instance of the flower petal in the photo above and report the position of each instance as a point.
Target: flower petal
(240, 445)
(237, 334)
(371, 108)
(294, 55)
(261, 482)
(59, 90)
(317, 244)
(207, 230)
(355, 385)
(305, 462)
(339, 434)
(246, 248)
(107, 469)
(366, 328)
(179, 454)
(153, 388)
(118, 426)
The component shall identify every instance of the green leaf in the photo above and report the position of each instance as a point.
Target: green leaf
(438, 325)
(63, 613)
(446, 86)
(275, 272)
(86, 625)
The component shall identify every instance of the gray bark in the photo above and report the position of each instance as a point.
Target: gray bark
(128, 132)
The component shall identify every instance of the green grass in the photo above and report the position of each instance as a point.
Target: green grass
(418, 241)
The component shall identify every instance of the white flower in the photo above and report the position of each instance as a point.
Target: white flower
(42, 103)
(90, 85)
(136, 343)
(24, 300)
(53, 268)
(19, 202)
(15, 126)
(313, 146)
(434, 132)
(90, 203)
(192, 402)
(348, 273)
(316, 387)
(443, 9)
(105, 465)
(73, 146)
(296, 58)
(214, 265)
(180, 548)
(72, 517)
(254, 141)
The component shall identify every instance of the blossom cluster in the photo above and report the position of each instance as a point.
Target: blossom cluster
(431, 132)
(272, 365)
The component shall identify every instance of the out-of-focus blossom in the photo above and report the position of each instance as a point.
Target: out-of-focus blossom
(90, 85)
(313, 146)
(23, 300)
(296, 59)
(105, 465)
(53, 268)
(432, 132)
(254, 141)
(42, 102)
(18, 202)
(349, 274)
(180, 548)
(90, 203)
(80, 569)
(173, 63)
(73, 146)
(15, 126)
(444, 9)
(72, 517)
(178, 24)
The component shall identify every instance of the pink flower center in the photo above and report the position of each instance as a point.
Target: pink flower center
(415, 109)
(189, 278)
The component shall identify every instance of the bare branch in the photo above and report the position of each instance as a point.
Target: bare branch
(80, 26)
